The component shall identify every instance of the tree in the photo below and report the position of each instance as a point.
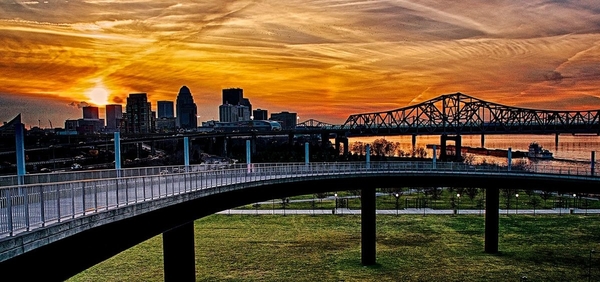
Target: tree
(534, 201)
(546, 195)
(508, 194)
(471, 193)
(469, 159)
(358, 148)
(383, 147)
(421, 152)
(434, 193)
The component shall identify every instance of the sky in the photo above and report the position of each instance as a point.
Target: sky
(323, 59)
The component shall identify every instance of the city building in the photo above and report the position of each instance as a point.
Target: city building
(232, 113)
(114, 117)
(139, 118)
(166, 124)
(90, 112)
(235, 96)
(259, 114)
(288, 120)
(90, 123)
(187, 116)
(165, 109)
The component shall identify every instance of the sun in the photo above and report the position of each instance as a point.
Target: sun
(98, 95)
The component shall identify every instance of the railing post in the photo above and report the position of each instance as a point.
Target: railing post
(96, 197)
(83, 196)
(42, 213)
(72, 200)
(10, 211)
(58, 202)
(26, 199)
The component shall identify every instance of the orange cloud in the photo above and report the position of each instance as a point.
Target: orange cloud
(322, 59)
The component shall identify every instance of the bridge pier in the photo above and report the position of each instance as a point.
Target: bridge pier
(414, 145)
(178, 251)
(341, 140)
(492, 204)
(482, 141)
(368, 227)
(457, 147)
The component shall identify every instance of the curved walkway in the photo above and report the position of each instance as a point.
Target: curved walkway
(410, 211)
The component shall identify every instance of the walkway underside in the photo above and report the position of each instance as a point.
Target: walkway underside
(63, 258)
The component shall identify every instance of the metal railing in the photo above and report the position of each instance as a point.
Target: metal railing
(31, 206)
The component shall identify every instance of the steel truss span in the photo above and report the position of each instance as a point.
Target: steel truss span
(462, 114)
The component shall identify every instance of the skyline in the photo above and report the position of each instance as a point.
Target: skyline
(322, 59)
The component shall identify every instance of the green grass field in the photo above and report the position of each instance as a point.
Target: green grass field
(409, 248)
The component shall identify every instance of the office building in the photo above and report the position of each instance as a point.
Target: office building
(288, 120)
(165, 109)
(235, 96)
(139, 118)
(259, 114)
(187, 116)
(232, 113)
(90, 112)
(114, 116)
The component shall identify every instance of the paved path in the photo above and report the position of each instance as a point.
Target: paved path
(426, 211)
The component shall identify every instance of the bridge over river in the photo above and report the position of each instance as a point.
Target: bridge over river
(61, 226)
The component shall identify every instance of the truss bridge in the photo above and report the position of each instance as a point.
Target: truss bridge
(462, 114)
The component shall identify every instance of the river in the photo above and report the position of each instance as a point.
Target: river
(571, 150)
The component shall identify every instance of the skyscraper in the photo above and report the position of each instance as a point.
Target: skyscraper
(186, 109)
(114, 115)
(165, 109)
(233, 96)
(259, 114)
(139, 116)
(90, 112)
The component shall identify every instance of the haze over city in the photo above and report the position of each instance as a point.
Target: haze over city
(321, 59)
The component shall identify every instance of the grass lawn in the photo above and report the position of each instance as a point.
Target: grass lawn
(409, 248)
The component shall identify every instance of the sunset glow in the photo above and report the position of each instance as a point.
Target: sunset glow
(322, 59)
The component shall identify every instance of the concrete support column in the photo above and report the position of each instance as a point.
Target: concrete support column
(509, 155)
(492, 219)
(117, 138)
(434, 157)
(186, 153)
(178, 251)
(20, 151)
(368, 155)
(482, 141)
(368, 227)
(306, 153)
(593, 163)
(248, 152)
(345, 140)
